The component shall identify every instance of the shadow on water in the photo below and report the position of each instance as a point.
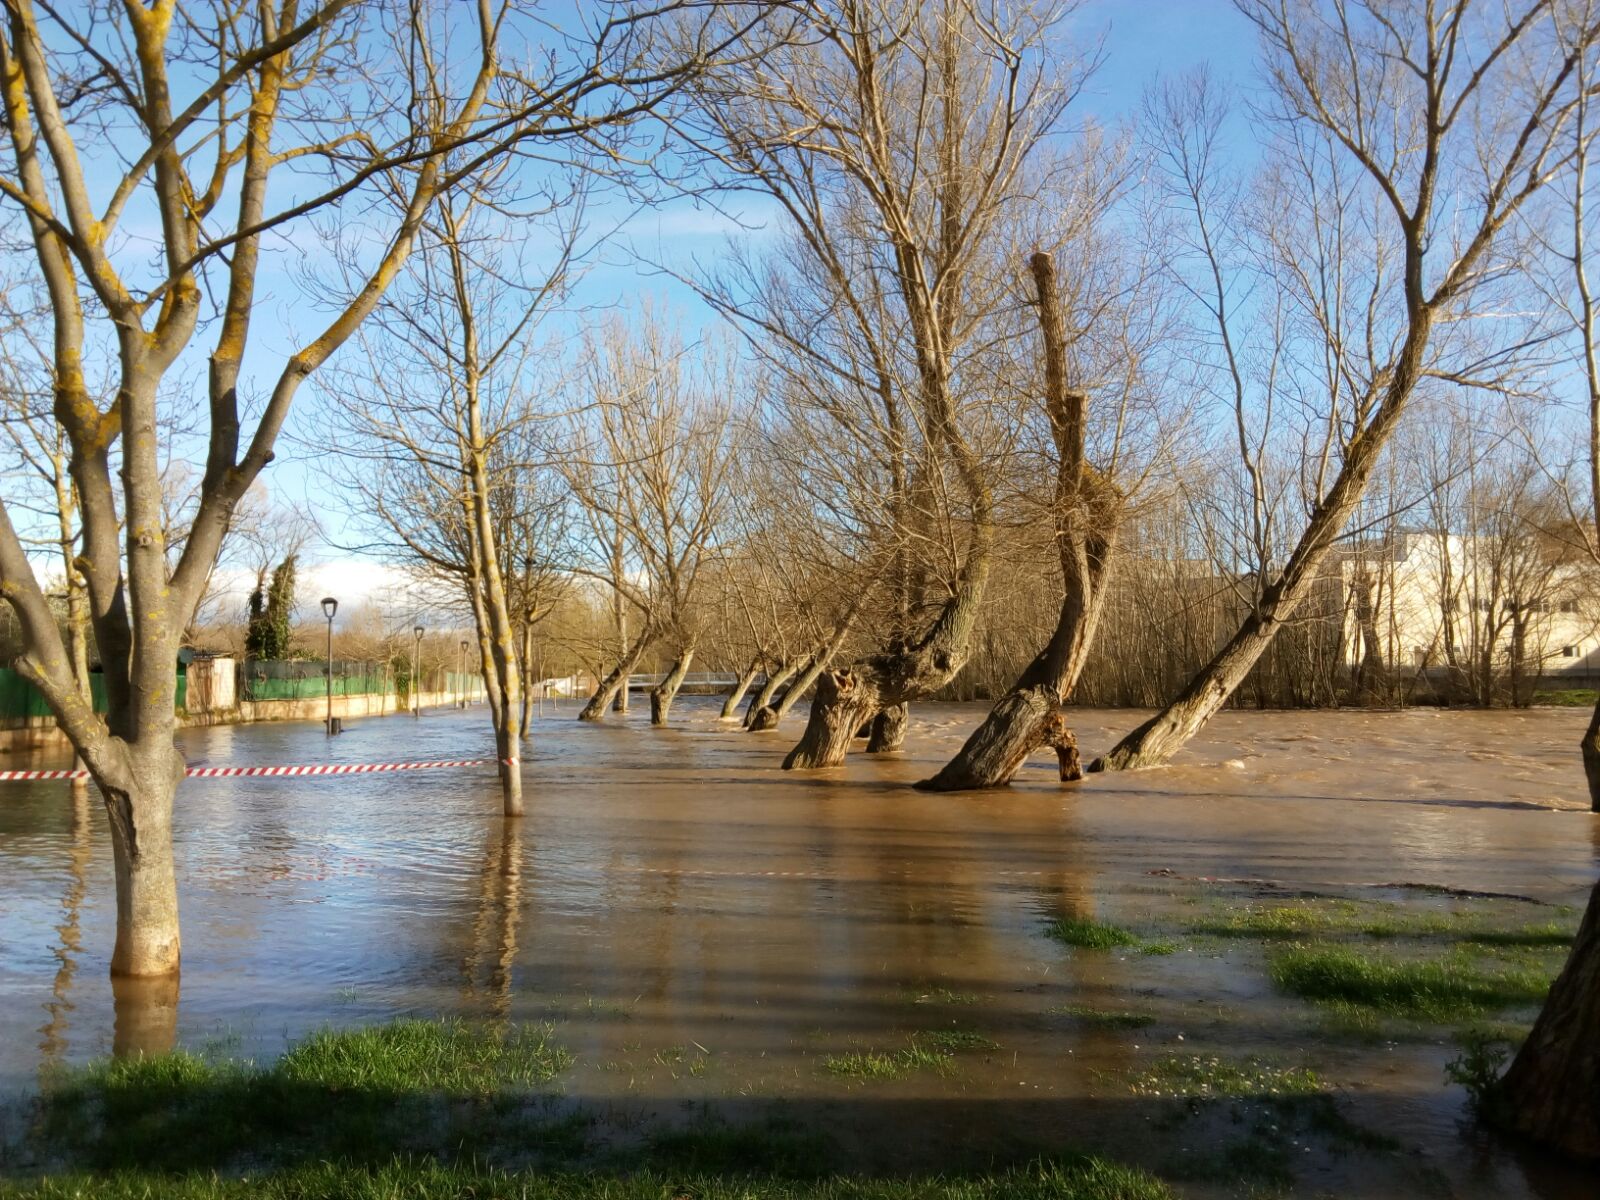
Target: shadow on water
(715, 940)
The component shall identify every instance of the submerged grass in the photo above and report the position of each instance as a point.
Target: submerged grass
(1347, 918)
(1437, 989)
(1102, 1017)
(1073, 1178)
(933, 1050)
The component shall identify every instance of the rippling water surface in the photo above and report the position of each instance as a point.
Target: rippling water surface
(704, 928)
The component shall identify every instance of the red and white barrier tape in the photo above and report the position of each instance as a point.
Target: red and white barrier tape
(280, 772)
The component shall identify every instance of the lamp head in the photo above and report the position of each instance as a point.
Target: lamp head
(329, 607)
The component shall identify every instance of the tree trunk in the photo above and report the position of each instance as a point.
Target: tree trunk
(843, 701)
(507, 751)
(1552, 1090)
(864, 689)
(616, 683)
(139, 809)
(763, 699)
(1088, 514)
(525, 721)
(1591, 758)
(730, 706)
(665, 692)
(889, 729)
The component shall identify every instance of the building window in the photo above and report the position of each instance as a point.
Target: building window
(1569, 652)
(1569, 606)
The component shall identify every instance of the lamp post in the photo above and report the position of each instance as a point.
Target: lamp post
(329, 607)
(461, 676)
(416, 678)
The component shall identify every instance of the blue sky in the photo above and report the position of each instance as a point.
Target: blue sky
(1143, 39)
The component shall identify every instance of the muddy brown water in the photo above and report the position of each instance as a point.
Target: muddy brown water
(704, 930)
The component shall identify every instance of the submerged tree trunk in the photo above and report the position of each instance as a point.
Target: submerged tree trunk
(1088, 513)
(730, 705)
(613, 685)
(665, 692)
(769, 716)
(762, 700)
(525, 722)
(139, 809)
(846, 699)
(1164, 734)
(888, 731)
(1552, 1090)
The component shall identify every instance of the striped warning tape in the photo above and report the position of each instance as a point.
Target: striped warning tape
(281, 772)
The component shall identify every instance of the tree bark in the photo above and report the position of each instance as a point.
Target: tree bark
(665, 692)
(525, 722)
(730, 705)
(1591, 758)
(139, 809)
(888, 731)
(1551, 1092)
(843, 701)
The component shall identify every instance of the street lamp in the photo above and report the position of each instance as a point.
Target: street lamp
(461, 677)
(329, 607)
(416, 677)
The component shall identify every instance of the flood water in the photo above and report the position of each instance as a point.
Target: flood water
(704, 929)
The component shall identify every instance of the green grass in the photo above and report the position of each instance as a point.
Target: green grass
(927, 1050)
(1215, 1077)
(1327, 919)
(1072, 1178)
(1088, 934)
(1437, 989)
(1097, 1016)
(1568, 697)
(356, 1094)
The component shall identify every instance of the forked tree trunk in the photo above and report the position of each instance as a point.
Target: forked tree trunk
(730, 705)
(615, 685)
(139, 809)
(769, 716)
(762, 700)
(1552, 1090)
(665, 692)
(1088, 513)
(888, 730)
(846, 699)
(1591, 758)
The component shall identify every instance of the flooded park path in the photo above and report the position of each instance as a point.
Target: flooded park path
(715, 938)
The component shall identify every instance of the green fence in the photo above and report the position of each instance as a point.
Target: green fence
(20, 699)
(297, 680)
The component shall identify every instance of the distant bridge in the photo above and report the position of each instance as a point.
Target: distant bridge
(694, 681)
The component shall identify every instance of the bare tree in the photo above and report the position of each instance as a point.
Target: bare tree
(1432, 126)
(896, 140)
(271, 92)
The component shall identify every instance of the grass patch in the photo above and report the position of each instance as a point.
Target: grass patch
(928, 1050)
(1440, 989)
(355, 1094)
(712, 1147)
(1071, 1178)
(1088, 934)
(1102, 1017)
(1568, 697)
(1328, 919)
(1202, 1076)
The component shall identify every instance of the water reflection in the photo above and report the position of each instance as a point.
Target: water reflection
(53, 1035)
(491, 951)
(146, 1016)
